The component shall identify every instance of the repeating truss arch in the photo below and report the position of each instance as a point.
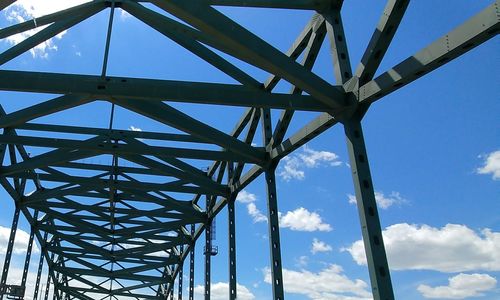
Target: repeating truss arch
(118, 212)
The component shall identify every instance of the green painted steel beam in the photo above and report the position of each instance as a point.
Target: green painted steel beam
(286, 4)
(381, 39)
(82, 253)
(170, 116)
(103, 212)
(250, 48)
(153, 90)
(368, 214)
(164, 170)
(310, 53)
(475, 31)
(95, 147)
(138, 295)
(113, 134)
(5, 3)
(65, 102)
(172, 30)
(175, 186)
(298, 46)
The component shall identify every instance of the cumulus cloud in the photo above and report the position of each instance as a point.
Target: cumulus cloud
(255, 213)
(249, 199)
(460, 286)
(302, 261)
(291, 169)
(329, 283)
(299, 219)
(20, 243)
(313, 158)
(452, 248)
(24, 10)
(491, 165)
(293, 165)
(383, 201)
(133, 128)
(246, 197)
(303, 220)
(320, 246)
(220, 291)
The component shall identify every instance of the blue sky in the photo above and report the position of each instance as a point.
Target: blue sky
(433, 147)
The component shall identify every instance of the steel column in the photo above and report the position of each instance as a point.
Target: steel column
(208, 256)
(57, 290)
(40, 267)
(232, 249)
(272, 211)
(274, 236)
(233, 292)
(47, 286)
(368, 214)
(181, 271)
(191, 265)
(10, 248)
(28, 253)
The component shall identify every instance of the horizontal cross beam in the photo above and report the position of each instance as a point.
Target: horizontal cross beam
(154, 90)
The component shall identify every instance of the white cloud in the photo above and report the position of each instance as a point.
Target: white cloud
(299, 220)
(491, 165)
(302, 261)
(460, 287)
(133, 128)
(291, 169)
(246, 197)
(383, 201)
(23, 10)
(249, 199)
(313, 158)
(20, 243)
(452, 248)
(294, 164)
(255, 213)
(320, 246)
(303, 220)
(328, 284)
(220, 291)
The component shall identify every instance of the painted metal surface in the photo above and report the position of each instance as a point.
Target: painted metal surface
(91, 226)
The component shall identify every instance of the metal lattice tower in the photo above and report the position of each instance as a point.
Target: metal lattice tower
(87, 188)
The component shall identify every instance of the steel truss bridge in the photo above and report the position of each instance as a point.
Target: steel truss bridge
(129, 224)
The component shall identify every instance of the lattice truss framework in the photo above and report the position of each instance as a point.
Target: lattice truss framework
(124, 228)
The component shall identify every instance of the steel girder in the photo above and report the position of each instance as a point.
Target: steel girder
(120, 225)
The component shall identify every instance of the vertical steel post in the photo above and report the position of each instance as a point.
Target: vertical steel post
(274, 236)
(233, 292)
(181, 274)
(208, 254)
(232, 250)
(57, 291)
(368, 214)
(47, 286)
(30, 248)
(40, 267)
(191, 266)
(272, 213)
(10, 248)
